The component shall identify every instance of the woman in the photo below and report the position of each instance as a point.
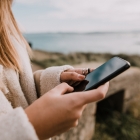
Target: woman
(22, 115)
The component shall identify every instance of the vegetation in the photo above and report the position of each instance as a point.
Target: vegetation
(113, 125)
(53, 59)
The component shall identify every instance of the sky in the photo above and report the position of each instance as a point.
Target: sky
(77, 15)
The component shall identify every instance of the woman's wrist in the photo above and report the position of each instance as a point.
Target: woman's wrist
(32, 114)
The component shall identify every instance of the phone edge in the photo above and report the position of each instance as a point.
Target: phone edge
(113, 75)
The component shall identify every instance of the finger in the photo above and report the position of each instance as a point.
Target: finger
(92, 95)
(92, 69)
(62, 89)
(80, 70)
(67, 76)
(77, 70)
(84, 106)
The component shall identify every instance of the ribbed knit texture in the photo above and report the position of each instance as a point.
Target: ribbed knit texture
(51, 74)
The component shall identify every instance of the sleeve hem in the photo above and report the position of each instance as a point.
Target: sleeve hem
(50, 77)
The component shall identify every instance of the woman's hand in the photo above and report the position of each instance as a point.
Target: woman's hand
(55, 112)
(73, 76)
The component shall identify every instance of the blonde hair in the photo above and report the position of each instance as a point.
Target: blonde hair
(8, 26)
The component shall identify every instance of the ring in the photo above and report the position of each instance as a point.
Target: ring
(88, 70)
(83, 71)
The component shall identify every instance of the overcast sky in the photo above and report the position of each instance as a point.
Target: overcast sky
(77, 15)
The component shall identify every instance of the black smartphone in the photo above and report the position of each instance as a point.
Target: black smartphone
(103, 74)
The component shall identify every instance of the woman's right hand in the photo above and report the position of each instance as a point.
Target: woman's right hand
(56, 112)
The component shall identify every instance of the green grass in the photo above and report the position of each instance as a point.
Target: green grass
(113, 125)
(117, 126)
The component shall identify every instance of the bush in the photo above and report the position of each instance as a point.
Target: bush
(112, 125)
(76, 58)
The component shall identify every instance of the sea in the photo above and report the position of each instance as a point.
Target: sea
(97, 42)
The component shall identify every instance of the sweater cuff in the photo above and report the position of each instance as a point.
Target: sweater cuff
(50, 77)
(15, 126)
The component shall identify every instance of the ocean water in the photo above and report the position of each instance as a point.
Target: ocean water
(115, 43)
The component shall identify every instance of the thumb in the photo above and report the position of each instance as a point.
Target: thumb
(63, 88)
(92, 95)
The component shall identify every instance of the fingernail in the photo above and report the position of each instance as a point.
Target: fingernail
(81, 77)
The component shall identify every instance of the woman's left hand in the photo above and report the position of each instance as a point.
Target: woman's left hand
(73, 76)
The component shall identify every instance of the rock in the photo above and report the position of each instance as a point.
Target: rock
(85, 128)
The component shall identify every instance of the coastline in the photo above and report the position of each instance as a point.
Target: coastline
(42, 59)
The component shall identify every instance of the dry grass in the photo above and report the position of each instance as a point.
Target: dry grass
(47, 59)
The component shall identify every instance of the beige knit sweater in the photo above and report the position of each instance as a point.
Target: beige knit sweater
(17, 91)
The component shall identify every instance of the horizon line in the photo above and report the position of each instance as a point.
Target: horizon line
(73, 32)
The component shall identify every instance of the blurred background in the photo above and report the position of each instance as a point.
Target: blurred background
(78, 25)
(81, 32)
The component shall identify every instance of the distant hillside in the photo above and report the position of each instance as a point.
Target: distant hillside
(47, 59)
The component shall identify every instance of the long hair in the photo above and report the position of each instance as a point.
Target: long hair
(8, 27)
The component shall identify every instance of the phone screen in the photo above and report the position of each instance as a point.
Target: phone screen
(101, 73)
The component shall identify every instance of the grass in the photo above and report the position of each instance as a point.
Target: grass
(117, 126)
(113, 125)
(53, 59)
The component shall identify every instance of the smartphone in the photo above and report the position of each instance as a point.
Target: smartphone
(103, 74)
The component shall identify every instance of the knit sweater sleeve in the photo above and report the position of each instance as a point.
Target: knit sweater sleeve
(47, 79)
(14, 124)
